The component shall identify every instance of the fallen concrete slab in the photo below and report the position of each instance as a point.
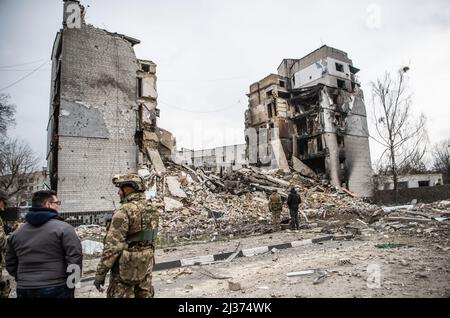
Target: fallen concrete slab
(175, 188)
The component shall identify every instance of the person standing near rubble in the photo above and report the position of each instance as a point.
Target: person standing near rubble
(275, 206)
(293, 202)
(44, 255)
(130, 242)
(4, 284)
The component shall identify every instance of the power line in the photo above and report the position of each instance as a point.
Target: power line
(200, 111)
(21, 64)
(203, 80)
(24, 77)
(24, 70)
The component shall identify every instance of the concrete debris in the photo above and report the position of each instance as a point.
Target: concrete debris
(172, 204)
(344, 261)
(92, 247)
(321, 277)
(156, 161)
(303, 169)
(399, 207)
(234, 286)
(404, 262)
(301, 273)
(92, 232)
(175, 188)
(202, 207)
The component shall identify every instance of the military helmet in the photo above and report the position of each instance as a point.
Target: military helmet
(132, 180)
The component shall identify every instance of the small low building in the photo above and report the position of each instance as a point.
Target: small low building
(411, 181)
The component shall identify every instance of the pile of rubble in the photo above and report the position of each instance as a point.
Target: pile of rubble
(201, 206)
(204, 206)
(91, 232)
(430, 221)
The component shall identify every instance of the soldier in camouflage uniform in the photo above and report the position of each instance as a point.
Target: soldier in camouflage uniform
(4, 285)
(275, 206)
(129, 244)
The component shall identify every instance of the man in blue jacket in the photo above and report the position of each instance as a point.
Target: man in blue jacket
(43, 252)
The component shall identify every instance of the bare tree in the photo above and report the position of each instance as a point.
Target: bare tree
(17, 163)
(7, 112)
(441, 158)
(403, 137)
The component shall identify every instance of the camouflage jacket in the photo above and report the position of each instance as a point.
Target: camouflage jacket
(135, 214)
(2, 246)
(275, 203)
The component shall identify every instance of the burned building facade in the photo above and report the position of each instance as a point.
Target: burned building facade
(314, 109)
(103, 111)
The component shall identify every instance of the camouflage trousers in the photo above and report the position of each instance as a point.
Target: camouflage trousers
(276, 215)
(5, 288)
(118, 289)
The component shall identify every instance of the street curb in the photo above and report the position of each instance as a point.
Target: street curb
(208, 259)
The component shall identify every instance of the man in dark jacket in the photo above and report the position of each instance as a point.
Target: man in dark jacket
(4, 284)
(293, 201)
(45, 252)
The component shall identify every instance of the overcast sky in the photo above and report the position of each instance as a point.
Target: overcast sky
(209, 52)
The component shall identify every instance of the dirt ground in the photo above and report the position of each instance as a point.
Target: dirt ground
(351, 268)
(347, 268)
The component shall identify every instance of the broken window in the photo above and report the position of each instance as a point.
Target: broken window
(282, 84)
(319, 144)
(341, 83)
(269, 110)
(139, 87)
(301, 126)
(424, 184)
(145, 68)
(339, 67)
(402, 185)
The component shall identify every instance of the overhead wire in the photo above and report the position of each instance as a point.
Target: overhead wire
(23, 77)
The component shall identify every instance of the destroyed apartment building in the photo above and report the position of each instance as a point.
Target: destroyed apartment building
(103, 115)
(312, 116)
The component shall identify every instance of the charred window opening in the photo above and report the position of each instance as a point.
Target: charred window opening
(145, 68)
(282, 84)
(424, 184)
(303, 147)
(340, 67)
(316, 164)
(335, 99)
(340, 140)
(301, 126)
(319, 144)
(341, 84)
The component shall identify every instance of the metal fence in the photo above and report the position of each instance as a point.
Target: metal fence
(86, 218)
